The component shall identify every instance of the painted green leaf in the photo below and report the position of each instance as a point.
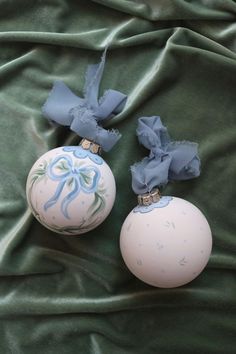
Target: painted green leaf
(63, 166)
(98, 204)
(86, 178)
(70, 182)
(84, 226)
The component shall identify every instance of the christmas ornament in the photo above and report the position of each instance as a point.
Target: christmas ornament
(165, 241)
(71, 189)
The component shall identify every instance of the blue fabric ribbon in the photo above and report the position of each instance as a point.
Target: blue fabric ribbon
(84, 115)
(63, 171)
(168, 160)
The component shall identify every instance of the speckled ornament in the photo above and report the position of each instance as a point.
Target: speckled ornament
(166, 244)
(70, 190)
(165, 241)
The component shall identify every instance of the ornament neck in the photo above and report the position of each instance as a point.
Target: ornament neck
(91, 146)
(149, 198)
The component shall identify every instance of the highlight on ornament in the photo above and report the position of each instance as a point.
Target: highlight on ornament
(71, 189)
(165, 241)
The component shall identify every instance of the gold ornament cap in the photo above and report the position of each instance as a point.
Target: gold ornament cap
(91, 146)
(148, 198)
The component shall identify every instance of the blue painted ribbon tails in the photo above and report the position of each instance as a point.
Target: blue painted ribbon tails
(168, 160)
(85, 115)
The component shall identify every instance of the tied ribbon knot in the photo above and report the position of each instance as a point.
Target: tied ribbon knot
(62, 170)
(168, 160)
(84, 115)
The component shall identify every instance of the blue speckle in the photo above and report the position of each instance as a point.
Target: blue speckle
(139, 262)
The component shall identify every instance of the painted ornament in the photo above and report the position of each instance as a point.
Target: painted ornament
(165, 241)
(71, 189)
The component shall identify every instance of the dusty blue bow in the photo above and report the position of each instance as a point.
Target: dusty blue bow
(84, 115)
(168, 160)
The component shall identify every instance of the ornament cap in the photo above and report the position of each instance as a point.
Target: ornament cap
(91, 146)
(149, 198)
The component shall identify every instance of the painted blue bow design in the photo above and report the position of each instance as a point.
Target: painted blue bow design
(78, 178)
(84, 115)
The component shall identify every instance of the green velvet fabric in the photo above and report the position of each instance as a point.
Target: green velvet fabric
(176, 59)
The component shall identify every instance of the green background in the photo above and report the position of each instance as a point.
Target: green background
(74, 295)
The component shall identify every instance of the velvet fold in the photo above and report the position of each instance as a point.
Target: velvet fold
(175, 59)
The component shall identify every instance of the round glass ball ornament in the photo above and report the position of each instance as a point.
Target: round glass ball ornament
(71, 189)
(167, 243)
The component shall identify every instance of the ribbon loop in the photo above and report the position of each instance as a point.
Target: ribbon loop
(59, 103)
(109, 104)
